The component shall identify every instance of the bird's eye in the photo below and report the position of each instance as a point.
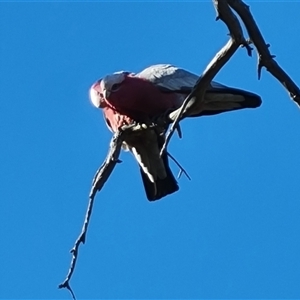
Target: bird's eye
(115, 87)
(100, 94)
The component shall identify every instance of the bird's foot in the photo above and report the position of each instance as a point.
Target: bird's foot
(137, 126)
(163, 121)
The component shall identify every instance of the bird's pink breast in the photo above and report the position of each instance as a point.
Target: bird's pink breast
(114, 119)
(141, 100)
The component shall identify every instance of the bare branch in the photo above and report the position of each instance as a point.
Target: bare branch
(107, 167)
(99, 180)
(265, 58)
(194, 102)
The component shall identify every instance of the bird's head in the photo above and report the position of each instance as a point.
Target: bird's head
(102, 89)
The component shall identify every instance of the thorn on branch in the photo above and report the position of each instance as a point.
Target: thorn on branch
(178, 128)
(82, 237)
(67, 286)
(259, 68)
(248, 48)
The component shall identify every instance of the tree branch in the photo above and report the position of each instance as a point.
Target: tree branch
(265, 58)
(99, 180)
(194, 102)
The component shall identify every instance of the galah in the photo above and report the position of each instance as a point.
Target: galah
(127, 97)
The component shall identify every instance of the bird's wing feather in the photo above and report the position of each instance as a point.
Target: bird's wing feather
(171, 78)
(218, 98)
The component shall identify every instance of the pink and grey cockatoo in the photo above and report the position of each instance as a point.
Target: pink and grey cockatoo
(127, 97)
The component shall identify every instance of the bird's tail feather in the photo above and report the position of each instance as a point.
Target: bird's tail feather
(228, 99)
(156, 174)
(160, 187)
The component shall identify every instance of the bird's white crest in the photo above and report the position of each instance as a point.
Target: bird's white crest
(109, 80)
(104, 86)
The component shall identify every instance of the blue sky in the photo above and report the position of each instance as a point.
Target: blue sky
(231, 232)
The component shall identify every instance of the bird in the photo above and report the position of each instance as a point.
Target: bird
(126, 97)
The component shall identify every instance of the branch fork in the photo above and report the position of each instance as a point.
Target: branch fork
(194, 102)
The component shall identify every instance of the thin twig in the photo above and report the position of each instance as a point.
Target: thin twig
(182, 170)
(99, 180)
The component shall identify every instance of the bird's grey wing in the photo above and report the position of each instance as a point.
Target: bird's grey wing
(169, 78)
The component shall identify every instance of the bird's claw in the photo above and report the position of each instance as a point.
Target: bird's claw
(136, 126)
